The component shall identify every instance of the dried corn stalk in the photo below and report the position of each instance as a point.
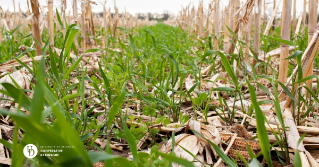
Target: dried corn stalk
(35, 25)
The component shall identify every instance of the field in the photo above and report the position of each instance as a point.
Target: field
(190, 91)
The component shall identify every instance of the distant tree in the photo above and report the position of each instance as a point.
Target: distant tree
(166, 15)
(140, 16)
(150, 16)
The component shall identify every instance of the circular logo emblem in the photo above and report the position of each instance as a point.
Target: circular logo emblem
(30, 151)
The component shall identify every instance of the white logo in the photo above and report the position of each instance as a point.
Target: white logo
(30, 151)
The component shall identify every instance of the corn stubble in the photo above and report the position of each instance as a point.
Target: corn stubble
(224, 82)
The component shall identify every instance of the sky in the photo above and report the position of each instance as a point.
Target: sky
(136, 6)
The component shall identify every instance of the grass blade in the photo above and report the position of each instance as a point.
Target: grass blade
(261, 129)
(131, 141)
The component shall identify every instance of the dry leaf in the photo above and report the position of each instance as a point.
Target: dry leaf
(190, 143)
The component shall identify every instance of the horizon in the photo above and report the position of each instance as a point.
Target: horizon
(139, 6)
